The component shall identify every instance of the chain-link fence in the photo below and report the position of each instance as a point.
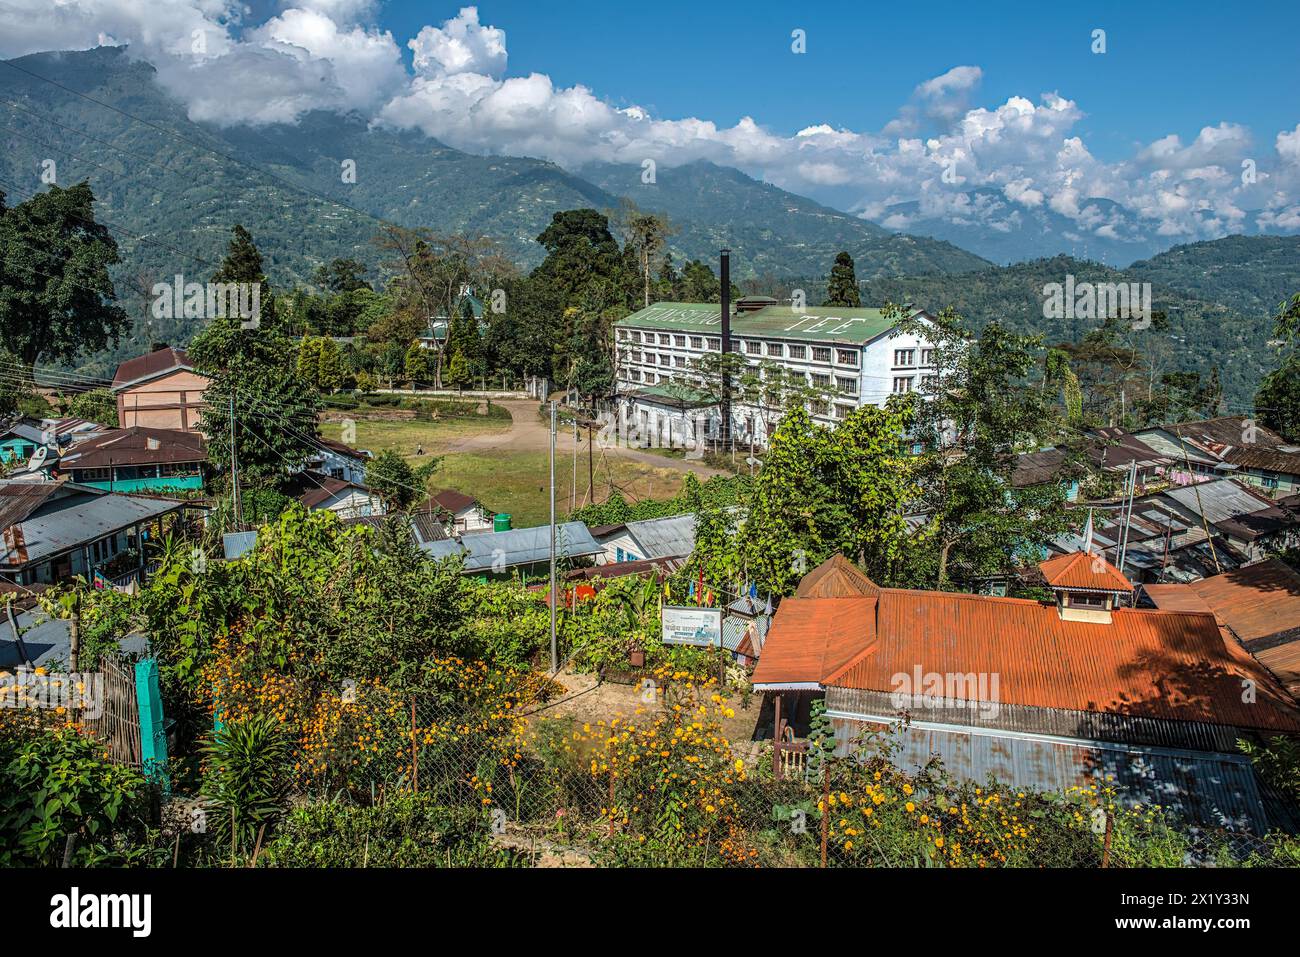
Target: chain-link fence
(666, 785)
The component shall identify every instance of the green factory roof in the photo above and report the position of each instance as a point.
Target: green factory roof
(815, 323)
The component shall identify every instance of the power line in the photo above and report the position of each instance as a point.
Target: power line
(110, 225)
(89, 136)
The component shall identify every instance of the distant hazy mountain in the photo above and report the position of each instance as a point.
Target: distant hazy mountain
(992, 226)
(772, 233)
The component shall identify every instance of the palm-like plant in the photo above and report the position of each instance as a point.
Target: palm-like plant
(245, 787)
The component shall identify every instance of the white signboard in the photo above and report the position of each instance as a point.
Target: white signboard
(692, 626)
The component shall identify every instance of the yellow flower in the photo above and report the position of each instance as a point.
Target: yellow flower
(910, 807)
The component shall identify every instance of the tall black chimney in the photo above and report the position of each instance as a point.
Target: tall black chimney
(725, 277)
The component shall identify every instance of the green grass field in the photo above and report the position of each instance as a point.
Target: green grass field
(505, 480)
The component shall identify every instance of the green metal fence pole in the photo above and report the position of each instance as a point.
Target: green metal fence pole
(153, 734)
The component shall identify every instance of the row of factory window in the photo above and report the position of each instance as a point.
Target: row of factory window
(843, 384)
(905, 358)
(750, 347)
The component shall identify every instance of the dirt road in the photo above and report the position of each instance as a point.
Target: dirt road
(528, 432)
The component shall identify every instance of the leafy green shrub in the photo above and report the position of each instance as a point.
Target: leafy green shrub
(57, 783)
(246, 784)
(407, 830)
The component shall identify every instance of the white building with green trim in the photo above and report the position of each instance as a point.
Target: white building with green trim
(852, 357)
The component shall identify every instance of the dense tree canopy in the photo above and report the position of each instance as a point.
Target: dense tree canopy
(56, 296)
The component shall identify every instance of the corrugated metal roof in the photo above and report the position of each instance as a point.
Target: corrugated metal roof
(490, 551)
(1218, 500)
(1160, 664)
(1259, 604)
(1083, 571)
(671, 537)
(1210, 790)
(149, 366)
(837, 577)
(817, 636)
(18, 500)
(77, 519)
(1225, 430)
(137, 445)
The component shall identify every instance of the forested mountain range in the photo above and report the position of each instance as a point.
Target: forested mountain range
(1220, 307)
(172, 189)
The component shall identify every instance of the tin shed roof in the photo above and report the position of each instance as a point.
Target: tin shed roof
(671, 537)
(491, 551)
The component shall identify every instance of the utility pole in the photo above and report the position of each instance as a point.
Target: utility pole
(574, 489)
(724, 267)
(591, 467)
(234, 465)
(1128, 514)
(555, 662)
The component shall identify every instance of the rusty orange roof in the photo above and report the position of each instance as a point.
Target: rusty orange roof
(1155, 664)
(1258, 604)
(837, 577)
(818, 637)
(1083, 571)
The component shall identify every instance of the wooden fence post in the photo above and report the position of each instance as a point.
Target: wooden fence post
(611, 802)
(1105, 844)
(415, 755)
(826, 806)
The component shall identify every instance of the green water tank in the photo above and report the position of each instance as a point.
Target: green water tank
(501, 523)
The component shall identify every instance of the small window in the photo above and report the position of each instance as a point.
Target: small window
(930, 382)
(846, 357)
(697, 342)
(842, 411)
(754, 348)
(902, 383)
(679, 342)
(821, 380)
(665, 339)
(821, 354)
(927, 357)
(904, 357)
(665, 360)
(798, 352)
(1085, 601)
(820, 407)
(774, 349)
(847, 386)
(715, 344)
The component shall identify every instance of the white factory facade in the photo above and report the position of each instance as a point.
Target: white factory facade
(850, 357)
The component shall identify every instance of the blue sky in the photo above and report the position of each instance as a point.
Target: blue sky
(1188, 124)
(1169, 67)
